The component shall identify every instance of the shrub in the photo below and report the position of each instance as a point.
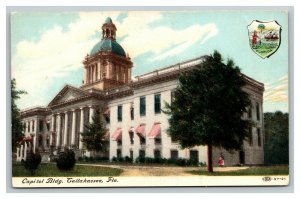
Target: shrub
(140, 160)
(66, 160)
(91, 159)
(32, 162)
(80, 159)
(120, 159)
(202, 164)
(86, 159)
(102, 159)
(114, 159)
(128, 159)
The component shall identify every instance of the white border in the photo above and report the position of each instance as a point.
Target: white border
(4, 97)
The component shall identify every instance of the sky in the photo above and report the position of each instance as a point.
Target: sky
(47, 48)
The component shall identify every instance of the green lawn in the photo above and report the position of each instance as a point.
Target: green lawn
(255, 171)
(47, 170)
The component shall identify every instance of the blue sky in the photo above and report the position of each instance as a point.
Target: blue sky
(47, 48)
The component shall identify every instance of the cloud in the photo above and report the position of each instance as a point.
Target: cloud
(36, 65)
(142, 38)
(277, 91)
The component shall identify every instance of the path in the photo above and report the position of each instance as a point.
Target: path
(132, 170)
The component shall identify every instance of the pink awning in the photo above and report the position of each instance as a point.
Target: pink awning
(140, 129)
(117, 134)
(106, 111)
(155, 130)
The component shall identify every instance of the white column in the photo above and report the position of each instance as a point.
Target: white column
(66, 128)
(51, 139)
(25, 150)
(35, 134)
(91, 115)
(58, 127)
(73, 127)
(98, 68)
(18, 154)
(45, 133)
(30, 126)
(52, 129)
(91, 74)
(26, 127)
(21, 152)
(81, 126)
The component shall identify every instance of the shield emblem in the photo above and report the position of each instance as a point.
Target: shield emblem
(264, 37)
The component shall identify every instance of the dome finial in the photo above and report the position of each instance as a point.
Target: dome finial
(108, 20)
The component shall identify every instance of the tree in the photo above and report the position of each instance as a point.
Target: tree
(276, 138)
(93, 137)
(208, 105)
(261, 27)
(16, 124)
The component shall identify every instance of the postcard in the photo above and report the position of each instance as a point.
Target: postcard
(150, 98)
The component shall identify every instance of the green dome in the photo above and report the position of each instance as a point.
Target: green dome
(108, 45)
(108, 20)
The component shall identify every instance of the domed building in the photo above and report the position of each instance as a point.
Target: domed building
(135, 124)
(107, 65)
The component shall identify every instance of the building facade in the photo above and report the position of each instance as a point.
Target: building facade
(136, 126)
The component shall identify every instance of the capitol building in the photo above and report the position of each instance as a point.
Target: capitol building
(135, 124)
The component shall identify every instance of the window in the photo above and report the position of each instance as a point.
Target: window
(194, 156)
(131, 135)
(157, 103)
(174, 154)
(242, 157)
(142, 153)
(157, 154)
(250, 112)
(258, 137)
(131, 154)
(119, 142)
(107, 119)
(48, 126)
(132, 111)
(119, 153)
(257, 111)
(48, 141)
(96, 68)
(40, 141)
(142, 140)
(41, 125)
(157, 141)
(142, 106)
(250, 136)
(119, 113)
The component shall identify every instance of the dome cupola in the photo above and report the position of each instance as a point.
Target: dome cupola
(109, 30)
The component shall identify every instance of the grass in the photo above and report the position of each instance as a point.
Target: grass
(47, 170)
(253, 171)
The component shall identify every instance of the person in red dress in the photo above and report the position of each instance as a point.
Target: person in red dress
(254, 38)
(221, 160)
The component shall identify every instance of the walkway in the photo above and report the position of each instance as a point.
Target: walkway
(133, 170)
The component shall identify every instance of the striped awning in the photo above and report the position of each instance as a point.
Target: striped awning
(117, 134)
(140, 130)
(155, 130)
(106, 111)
